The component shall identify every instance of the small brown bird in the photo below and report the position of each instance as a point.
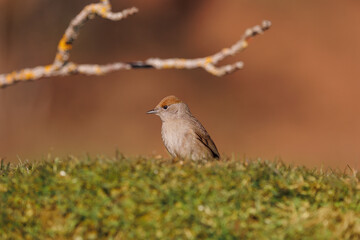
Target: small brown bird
(183, 135)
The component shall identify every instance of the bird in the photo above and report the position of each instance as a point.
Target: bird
(183, 135)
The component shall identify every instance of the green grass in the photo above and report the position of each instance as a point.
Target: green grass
(145, 198)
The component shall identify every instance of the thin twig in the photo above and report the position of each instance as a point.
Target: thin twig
(63, 67)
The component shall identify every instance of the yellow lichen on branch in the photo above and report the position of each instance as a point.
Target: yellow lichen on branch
(63, 45)
(63, 67)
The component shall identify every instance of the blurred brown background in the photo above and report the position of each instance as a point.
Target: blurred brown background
(297, 97)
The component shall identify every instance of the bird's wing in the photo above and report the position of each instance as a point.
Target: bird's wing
(205, 139)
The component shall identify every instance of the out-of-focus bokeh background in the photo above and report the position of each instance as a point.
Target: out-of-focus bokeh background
(297, 97)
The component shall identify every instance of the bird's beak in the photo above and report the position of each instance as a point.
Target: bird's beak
(153, 111)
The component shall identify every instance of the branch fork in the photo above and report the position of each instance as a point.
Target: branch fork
(62, 66)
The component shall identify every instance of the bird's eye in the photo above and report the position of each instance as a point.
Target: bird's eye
(165, 107)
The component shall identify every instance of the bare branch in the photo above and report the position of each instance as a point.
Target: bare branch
(63, 67)
(209, 62)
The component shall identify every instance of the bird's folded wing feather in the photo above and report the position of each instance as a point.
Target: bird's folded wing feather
(205, 139)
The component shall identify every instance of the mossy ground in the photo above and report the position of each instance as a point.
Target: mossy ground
(147, 198)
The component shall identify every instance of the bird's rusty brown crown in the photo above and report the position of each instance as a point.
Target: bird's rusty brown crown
(169, 100)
